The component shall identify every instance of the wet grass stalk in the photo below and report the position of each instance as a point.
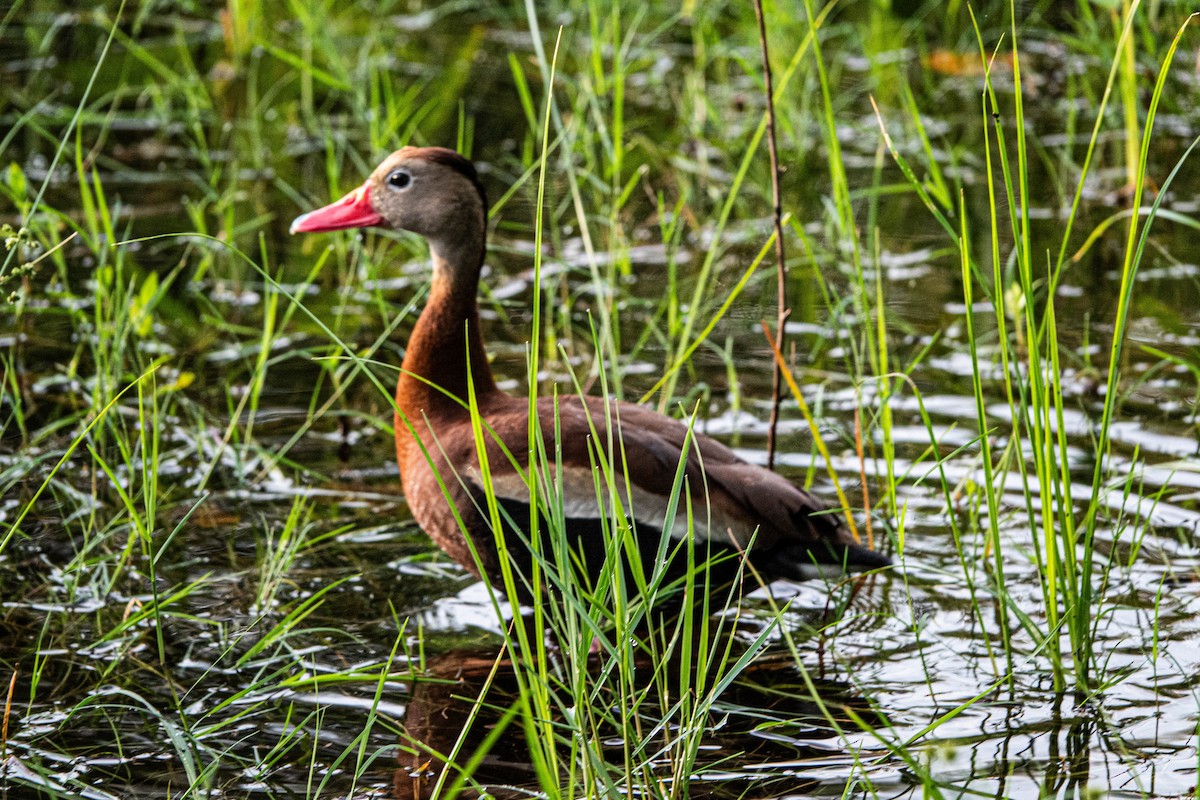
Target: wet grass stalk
(1074, 594)
(869, 361)
(684, 343)
(1064, 554)
(1084, 615)
(931, 461)
(1134, 251)
(8, 701)
(991, 491)
(782, 309)
(589, 144)
(131, 419)
(1035, 396)
(593, 661)
(600, 98)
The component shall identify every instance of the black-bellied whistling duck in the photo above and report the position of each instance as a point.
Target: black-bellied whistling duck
(736, 506)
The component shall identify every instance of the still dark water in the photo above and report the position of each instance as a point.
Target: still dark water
(212, 136)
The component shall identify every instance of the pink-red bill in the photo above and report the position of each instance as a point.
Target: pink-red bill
(352, 211)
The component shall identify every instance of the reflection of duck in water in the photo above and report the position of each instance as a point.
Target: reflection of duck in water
(737, 507)
(439, 711)
(768, 717)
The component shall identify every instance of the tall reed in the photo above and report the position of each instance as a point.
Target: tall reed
(1029, 358)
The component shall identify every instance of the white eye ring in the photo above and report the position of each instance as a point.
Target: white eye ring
(399, 179)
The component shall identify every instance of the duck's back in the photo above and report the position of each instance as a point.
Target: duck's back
(612, 466)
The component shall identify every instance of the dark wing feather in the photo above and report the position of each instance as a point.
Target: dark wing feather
(735, 503)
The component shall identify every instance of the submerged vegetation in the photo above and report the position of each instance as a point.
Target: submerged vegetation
(209, 583)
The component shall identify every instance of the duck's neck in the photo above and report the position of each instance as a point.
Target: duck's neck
(445, 339)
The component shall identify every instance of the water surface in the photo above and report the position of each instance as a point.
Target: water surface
(211, 135)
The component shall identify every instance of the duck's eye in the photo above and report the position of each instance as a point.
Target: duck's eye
(399, 179)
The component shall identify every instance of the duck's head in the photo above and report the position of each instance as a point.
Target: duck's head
(431, 191)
